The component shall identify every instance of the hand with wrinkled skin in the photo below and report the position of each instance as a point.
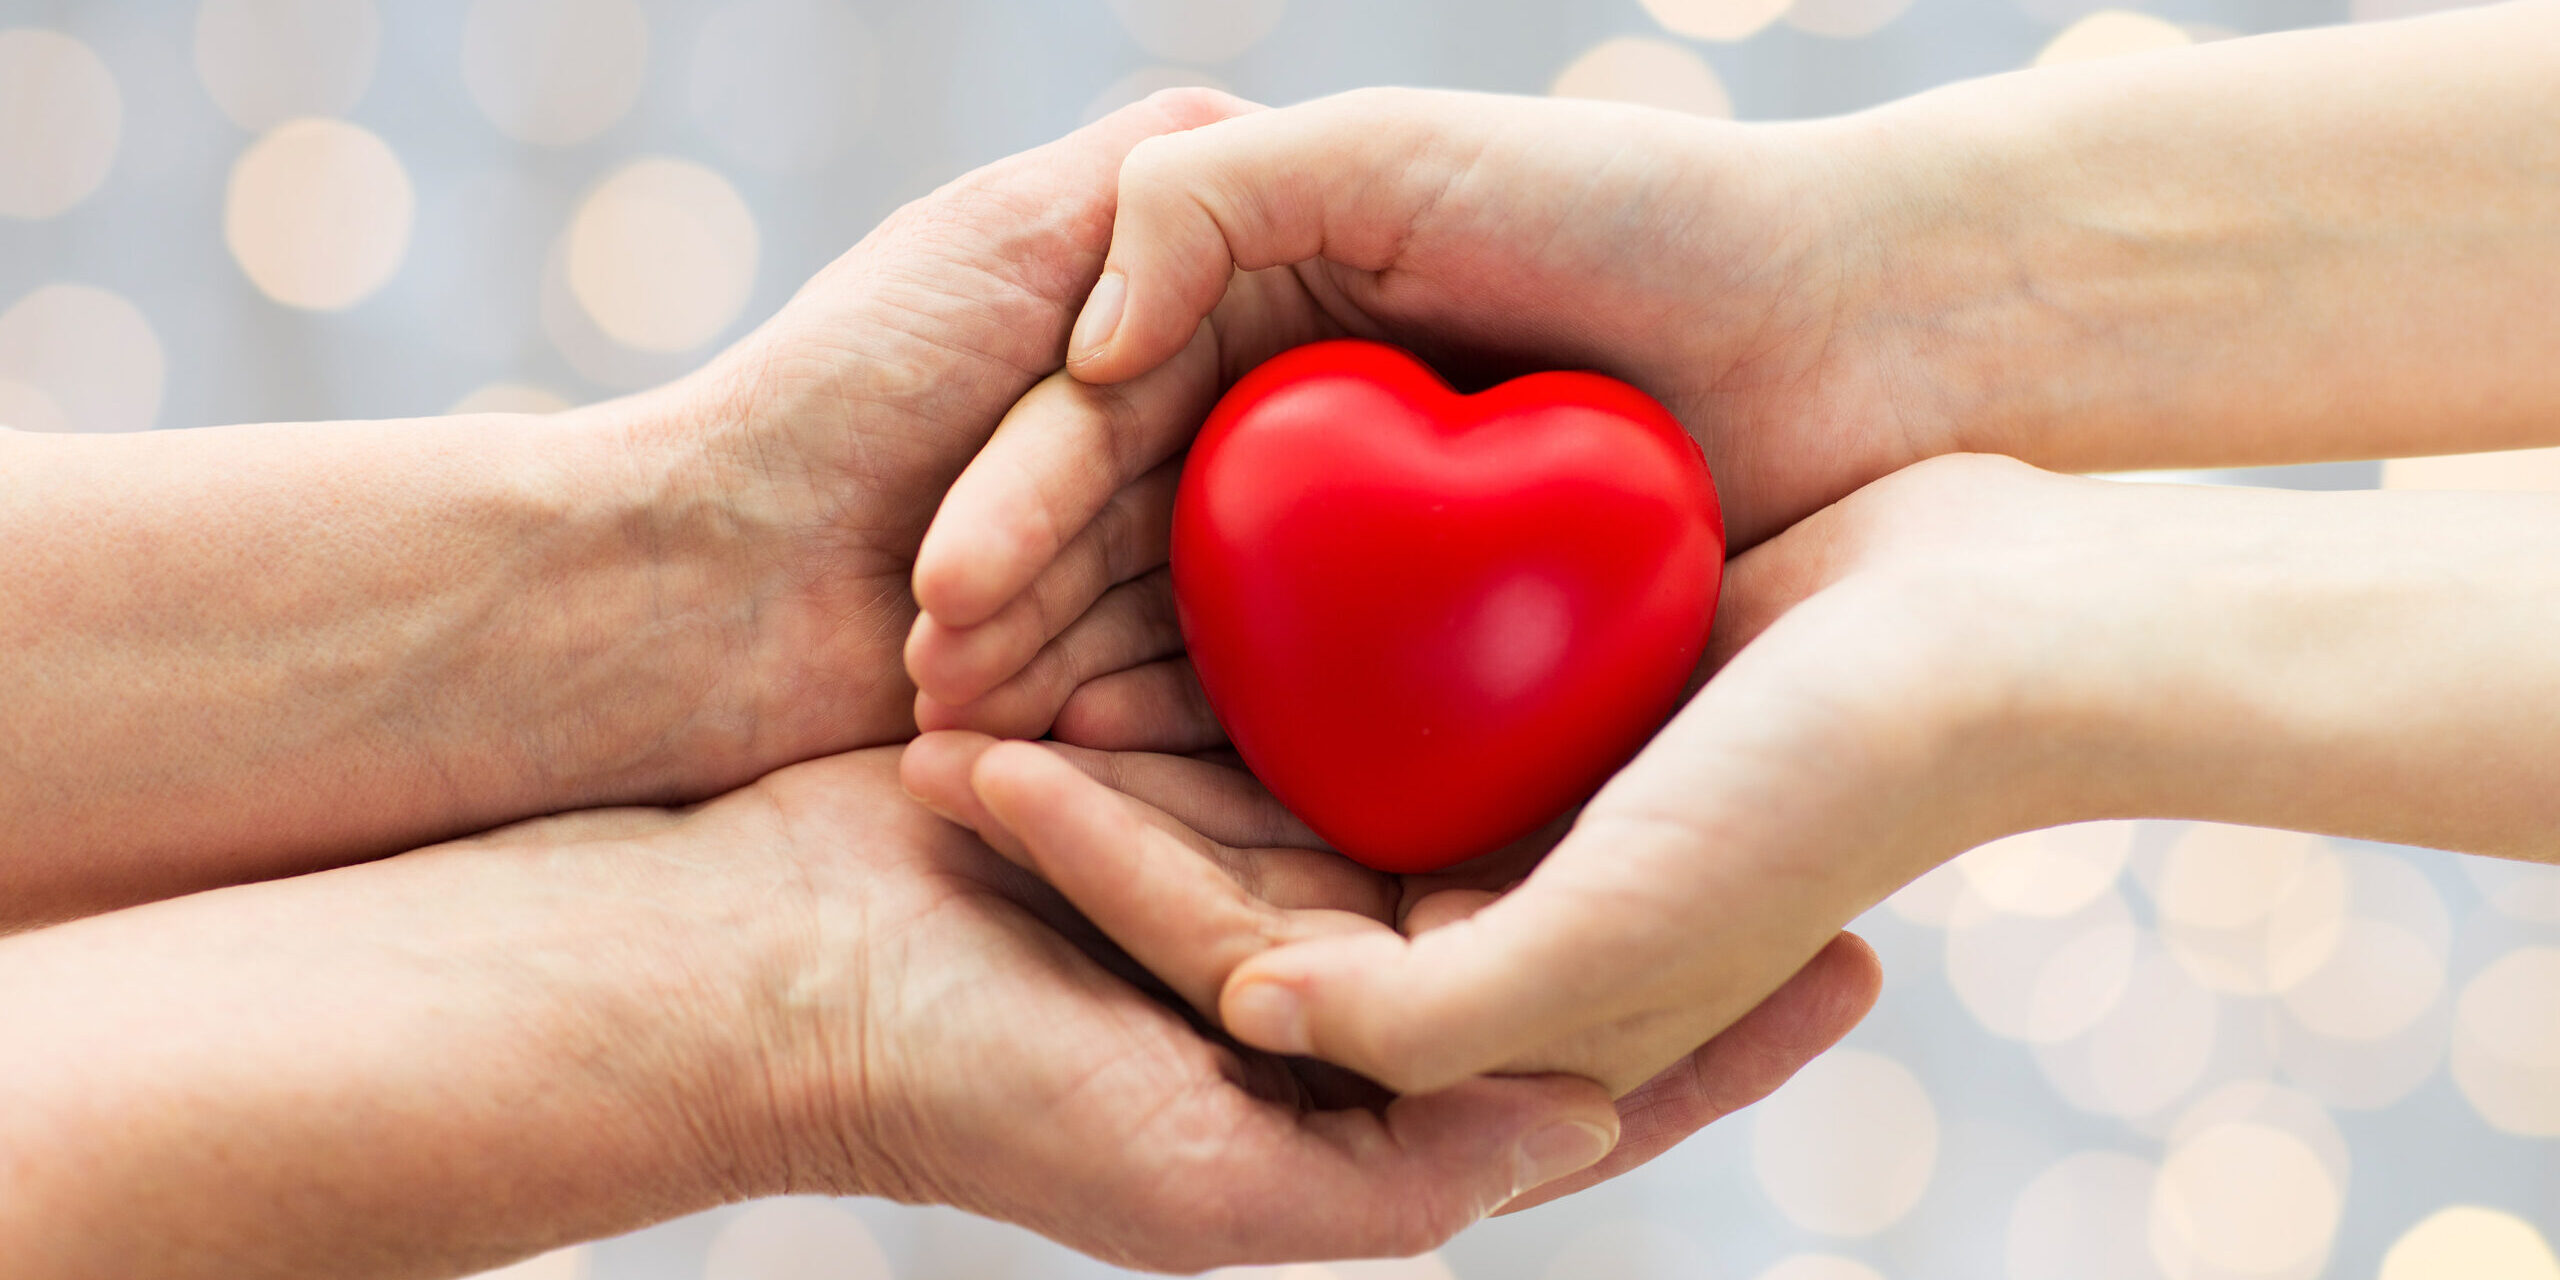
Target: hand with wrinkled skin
(466, 1054)
(213, 637)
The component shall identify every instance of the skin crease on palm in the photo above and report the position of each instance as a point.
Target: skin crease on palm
(2198, 258)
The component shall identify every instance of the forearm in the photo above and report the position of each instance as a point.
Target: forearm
(420, 1067)
(2324, 244)
(242, 652)
(2378, 665)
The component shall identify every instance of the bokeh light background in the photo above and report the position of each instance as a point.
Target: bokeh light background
(2133, 1051)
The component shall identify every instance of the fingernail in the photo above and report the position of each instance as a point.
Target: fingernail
(1565, 1147)
(1101, 316)
(1268, 1015)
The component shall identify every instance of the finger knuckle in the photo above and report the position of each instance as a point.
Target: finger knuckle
(1154, 166)
(1420, 1223)
(1191, 106)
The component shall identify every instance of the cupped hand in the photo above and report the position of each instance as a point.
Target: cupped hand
(957, 1034)
(812, 455)
(1883, 668)
(1191, 897)
(1717, 266)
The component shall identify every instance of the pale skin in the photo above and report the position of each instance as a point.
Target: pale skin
(2207, 257)
(245, 664)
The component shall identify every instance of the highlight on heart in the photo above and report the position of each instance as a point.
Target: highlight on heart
(1768, 639)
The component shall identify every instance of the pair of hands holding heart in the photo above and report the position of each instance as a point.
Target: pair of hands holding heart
(1048, 609)
(1917, 647)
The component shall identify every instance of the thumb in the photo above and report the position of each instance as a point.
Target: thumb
(1512, 988)
(1342, 178)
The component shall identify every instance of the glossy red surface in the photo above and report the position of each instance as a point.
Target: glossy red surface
(1433, 622)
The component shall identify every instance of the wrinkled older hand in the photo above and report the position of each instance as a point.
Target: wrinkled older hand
(580, 1025)
(825, 441)
(215, 636)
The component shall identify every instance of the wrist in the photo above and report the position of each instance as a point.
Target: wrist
(689, 551)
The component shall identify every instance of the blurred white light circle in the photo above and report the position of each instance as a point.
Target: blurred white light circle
(267, 61)
(2387, 887)
(2508, 470)
(2226, 877)
(1848, 1146)
(1817, 1266)
(2087, 1217)
(1844, 19)
(2150, 1049)
(1629, 1249)
(2264, 1102)
(88, 352)
(2378, 979)
(510, 397)
(2506, 1042)
(2110, 32)
(2363, 1075)
(1931, 900)
(319, 214)
(60, 119)
(785, 85)
(2526, 891)
(1715, 19)
(662, 255)
(25, 407)
(2388, 10)
(2250, 910)
(1139, 85)
(2052, 872)
(1651, 73)
(799, 1238)
(2040, 980)
(2468, 1242)
(2244, 1199)
(1198, 30)
(559, 1264)
(554, 72)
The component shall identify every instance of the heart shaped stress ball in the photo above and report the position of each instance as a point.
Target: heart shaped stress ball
(1433, 622)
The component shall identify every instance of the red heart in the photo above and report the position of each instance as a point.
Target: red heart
(1433, 622)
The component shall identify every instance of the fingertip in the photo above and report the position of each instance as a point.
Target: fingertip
(918, 654)
(1013, 777)
(1860, 979)
(1098, 323)
(1511, 1134)
(934, 770)
(1347, 998)
(933, 715)
(957, 665)
(1269, 1014)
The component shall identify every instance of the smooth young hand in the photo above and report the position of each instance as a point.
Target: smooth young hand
(1192, 867)
(1964, 650)
(2200, 257)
